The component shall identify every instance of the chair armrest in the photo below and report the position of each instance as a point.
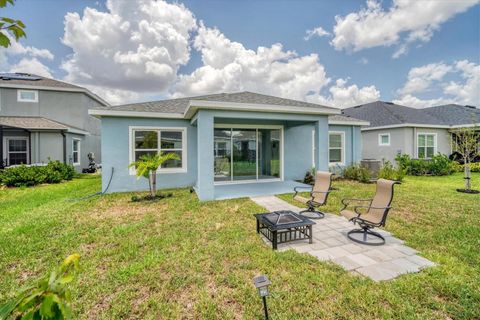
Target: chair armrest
(347, 201)
(368, 207)
(299, 187)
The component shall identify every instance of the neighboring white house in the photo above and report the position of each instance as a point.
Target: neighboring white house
(420, 133)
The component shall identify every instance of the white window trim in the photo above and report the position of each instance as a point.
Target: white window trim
(78, 151)
(254, 126)
(342, 162)
(6, 153)
(434, 134)
(131, 144)
(380, 143)
(19, 96)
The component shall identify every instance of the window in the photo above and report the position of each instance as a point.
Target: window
(426, 145)
(17, 151)
(76, 152)
(384, 139)
(27, 96)
(155, 140)
(336, 145)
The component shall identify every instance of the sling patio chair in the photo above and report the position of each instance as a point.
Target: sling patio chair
(318, 195)
(374, 213)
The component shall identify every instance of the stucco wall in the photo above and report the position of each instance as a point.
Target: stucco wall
(70, 108)
(297, 147)
(115, 150)
(353, 142)
(402, 140)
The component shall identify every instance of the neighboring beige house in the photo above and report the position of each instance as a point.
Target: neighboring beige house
(420, 133)
(42, 119)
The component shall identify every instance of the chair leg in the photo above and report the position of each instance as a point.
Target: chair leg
(365, 231)
(311, 213)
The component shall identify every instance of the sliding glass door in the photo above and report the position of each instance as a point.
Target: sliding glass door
(246, 154)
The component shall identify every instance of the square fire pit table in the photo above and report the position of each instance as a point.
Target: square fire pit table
(284, 226)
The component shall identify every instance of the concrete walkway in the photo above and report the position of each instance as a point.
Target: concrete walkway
(330, 243)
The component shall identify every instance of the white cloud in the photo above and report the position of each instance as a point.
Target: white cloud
(432, 77)
(343, 96)
(421, 78)
(31, 65)
(319, 32)
(405, 22)
(229, 66)
(20, 58)
(136, 46)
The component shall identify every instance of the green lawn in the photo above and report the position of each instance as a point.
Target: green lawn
(178, 258)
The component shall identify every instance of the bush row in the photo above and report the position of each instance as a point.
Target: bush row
(26, 176)
(438, 165)
(474, 167)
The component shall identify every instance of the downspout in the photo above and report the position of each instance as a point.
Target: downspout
(414, 144)
(29, 146)
(64, 147)
(353, 145)
(1, 148)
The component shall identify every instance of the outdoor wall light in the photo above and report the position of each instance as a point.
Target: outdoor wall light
(262, 283)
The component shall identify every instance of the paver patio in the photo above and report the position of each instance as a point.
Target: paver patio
(330, 243)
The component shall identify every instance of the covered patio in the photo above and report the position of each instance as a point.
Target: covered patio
(256, 189)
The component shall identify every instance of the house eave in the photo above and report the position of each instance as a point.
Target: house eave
(195, 105)
(349, 123)
(81, 90)
(98, 113)
(408, 125)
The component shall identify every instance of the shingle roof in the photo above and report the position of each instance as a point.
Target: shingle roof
(381, 113)
(344, 118)
(181, 104)
(32, 123)
(455, 114)
(41, 82)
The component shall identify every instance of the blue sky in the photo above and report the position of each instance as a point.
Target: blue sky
(442, 37)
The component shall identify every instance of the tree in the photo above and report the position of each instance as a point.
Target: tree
(466, 141)
(147, 166)
(10, 27)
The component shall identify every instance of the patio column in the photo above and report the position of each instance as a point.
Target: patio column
(321, 144)
(205, 188)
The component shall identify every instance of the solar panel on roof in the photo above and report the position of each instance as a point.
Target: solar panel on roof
(19, 76)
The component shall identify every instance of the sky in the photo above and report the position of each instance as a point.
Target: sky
(417, 53)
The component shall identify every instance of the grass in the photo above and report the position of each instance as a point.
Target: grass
(178, 258)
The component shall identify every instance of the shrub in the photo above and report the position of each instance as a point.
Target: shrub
(388, 171)
(357, 172)
(27, 176)
(475, 167)
(439, 165)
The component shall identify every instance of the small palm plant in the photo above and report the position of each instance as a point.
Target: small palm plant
(147, 166)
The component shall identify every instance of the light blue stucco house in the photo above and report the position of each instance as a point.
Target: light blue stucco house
(245, 142)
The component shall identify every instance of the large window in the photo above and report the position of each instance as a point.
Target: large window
(17, 151)
(156, 140)
(27, 96)
(247, 153)
(76, 152)
(426, 145)
(336, 148)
